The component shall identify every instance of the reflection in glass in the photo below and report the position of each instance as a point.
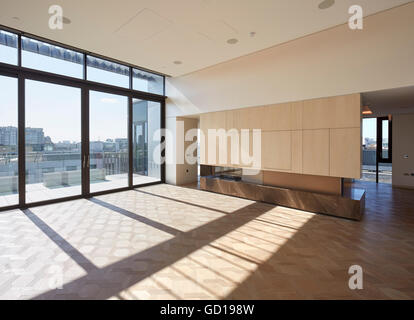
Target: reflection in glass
(8, 142)
(109, 161)
(107, 72)
(53, 141)
(147, 82)
(8, 47)
(146, 155)
(50, 58)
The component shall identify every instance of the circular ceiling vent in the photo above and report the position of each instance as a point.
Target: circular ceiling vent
(232, 41)
(326, 4)
(66, 20)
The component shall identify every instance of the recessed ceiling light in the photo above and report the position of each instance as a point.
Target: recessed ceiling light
(66, 20)
(16, 18)
(178, 62)
(232, 41)
(326, 4)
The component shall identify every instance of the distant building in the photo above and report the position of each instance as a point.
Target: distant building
(8, 136)
(109, 146)
(96, 146)
(35, 136)
(121, 144)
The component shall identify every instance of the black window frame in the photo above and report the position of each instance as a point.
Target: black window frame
(24, 73)
(379, 157)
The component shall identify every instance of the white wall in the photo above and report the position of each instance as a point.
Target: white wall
(170, 152)
(179, 173)
(187, 173)
(403, 144)
(333, 62)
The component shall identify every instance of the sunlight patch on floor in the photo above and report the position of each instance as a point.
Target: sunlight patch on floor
(215, 270)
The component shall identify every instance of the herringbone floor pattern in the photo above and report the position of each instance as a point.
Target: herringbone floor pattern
(168, 242)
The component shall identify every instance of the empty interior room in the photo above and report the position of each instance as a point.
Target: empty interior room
(207, 150)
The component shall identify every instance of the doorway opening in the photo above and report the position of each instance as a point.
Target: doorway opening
(377, 149)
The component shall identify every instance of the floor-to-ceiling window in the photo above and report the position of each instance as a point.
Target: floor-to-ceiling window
(53, 141)
(74, 124)
(369, 149)
(376, 150)
(108, 146)
(9, 153)
(384, 149)
(146, 124)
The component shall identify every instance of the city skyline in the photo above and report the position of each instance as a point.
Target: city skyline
(3, 137)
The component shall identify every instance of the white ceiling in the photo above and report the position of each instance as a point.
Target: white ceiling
(390, 101)
(155, 33)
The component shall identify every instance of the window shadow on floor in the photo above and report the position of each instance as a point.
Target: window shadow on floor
(181, 201)
(307, 255)
(75, 254)
(314, 262)
(119, 276)
(137, 217)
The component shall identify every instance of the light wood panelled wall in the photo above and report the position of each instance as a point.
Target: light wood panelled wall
(316, 152)
(316, 137)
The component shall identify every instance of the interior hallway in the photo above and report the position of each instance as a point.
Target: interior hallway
(168, 242)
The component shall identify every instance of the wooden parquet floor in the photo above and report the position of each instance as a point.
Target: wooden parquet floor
(168, 242)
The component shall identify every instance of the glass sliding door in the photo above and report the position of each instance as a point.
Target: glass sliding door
(146, 122)
(108, 146)
(52, 141)
(8, 142)
(384, 150)
(73, 123)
